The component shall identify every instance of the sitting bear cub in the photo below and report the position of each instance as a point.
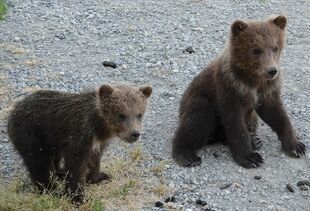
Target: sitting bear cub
(222, 102)
(57, 132)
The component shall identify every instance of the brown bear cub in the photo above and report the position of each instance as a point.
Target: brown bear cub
(55, 132)
(222, 102)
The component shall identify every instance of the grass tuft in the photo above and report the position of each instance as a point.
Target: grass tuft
(125, 189)
(13, 49)
(97, 206)
(160, 189)
(3, 9)
(136, 154)
(32, 63)
(159, 168)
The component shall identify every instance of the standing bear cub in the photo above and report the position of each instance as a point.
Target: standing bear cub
(222, 102)
(58, 132)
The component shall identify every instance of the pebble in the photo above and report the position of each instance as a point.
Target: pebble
(61, 36)
(171, 185)
(304, 187)
(201, 202)
(159, 204)
(170, 199)
(109, 64)
(303, 182)
(189, 50)
(172, 205)
(225, 186)
(257, 177)
(216, 155)
(290, 188)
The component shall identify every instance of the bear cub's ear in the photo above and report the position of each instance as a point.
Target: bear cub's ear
(280, 21)
(237, 27)
(105, 90)
(146, 90)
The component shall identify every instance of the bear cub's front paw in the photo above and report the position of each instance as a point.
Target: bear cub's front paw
(253, 160)
(101, 176)
(187, 159)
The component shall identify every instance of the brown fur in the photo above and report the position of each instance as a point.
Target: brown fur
(65, 134)
(223, 101)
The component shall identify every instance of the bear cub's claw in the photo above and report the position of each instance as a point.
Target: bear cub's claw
(103, 176)
(99, 178)
(296, 150)
(253, 160)
(187, 159)
(256, 143)
(78, 199)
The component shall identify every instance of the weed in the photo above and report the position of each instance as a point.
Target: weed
(124, 189)
(136, 154)
(159, 168)
(3, 9)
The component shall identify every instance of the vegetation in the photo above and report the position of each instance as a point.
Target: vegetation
(129, 189)
(3, 9)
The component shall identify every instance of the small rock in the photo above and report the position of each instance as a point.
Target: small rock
(237, 185)
(61, 36)
(189, 50)
(170, 199)
(304, 188)
(171, 205)
(198, 29)
(194, 182)
(280, 209)
(109, 64)
(216, 155)
(290, 188)
(303, 182)
(201, 202)
(171, 185)
(257, 177)
(179, 206)
(225, 186)
(159, 204)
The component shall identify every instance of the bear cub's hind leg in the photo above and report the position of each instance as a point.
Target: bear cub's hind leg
(193, 133)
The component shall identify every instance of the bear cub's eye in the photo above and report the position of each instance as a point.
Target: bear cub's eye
(257, 51)
(122, 116)
(275, 49)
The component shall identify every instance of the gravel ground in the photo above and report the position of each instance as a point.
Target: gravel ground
(60, 45)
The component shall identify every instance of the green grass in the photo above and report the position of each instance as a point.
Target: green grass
(3, 9)
(131, 188)
(125, 189)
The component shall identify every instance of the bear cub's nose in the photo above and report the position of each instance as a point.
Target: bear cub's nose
(272, 72)
(135, 134)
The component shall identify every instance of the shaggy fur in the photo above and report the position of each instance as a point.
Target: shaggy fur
(222, 103)
(65, 134)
